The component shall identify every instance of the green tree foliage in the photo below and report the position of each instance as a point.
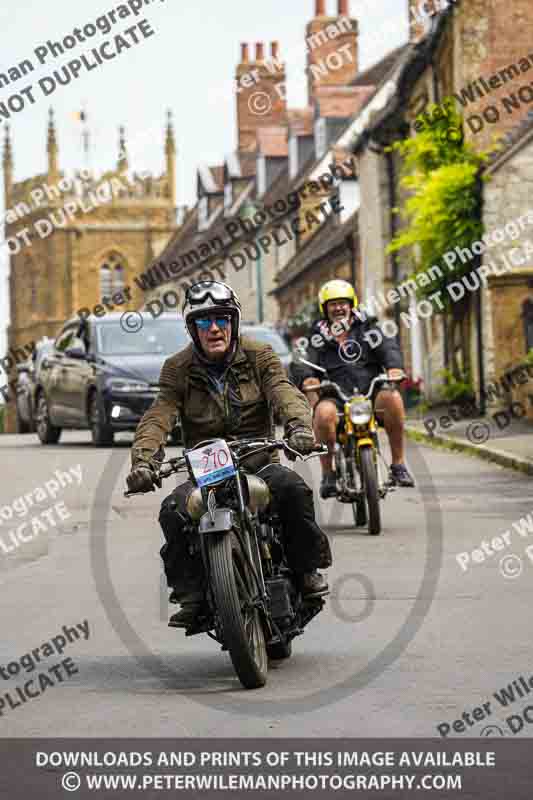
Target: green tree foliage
(441, 172)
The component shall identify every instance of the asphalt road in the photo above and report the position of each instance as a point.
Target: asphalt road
(408, 641)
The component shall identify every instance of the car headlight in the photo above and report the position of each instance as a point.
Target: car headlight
(123, 385)
(360, 411)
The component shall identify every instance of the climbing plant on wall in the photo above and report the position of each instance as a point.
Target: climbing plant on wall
(442, 177)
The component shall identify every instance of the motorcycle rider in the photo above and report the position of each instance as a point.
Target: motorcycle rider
(350, 361)
(227, 386)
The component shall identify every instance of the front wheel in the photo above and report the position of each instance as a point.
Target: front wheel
(370, 486)
(22, 425)
(234, 591)
(101, 432)
(47, 433)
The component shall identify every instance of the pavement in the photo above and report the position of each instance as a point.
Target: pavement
(495, 437)
(409, 639)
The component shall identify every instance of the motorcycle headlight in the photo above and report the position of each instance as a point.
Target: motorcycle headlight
(360, 411)
(123, 385)
(195, 504)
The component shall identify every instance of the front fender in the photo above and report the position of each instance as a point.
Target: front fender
(223, 521)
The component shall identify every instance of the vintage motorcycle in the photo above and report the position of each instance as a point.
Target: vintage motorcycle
(255, 605)
(358, 459)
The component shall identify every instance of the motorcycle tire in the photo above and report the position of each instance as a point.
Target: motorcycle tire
(232, 587)
(370, 485)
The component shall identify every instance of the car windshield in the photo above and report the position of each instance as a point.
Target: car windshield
(157, 336)
(267, 337)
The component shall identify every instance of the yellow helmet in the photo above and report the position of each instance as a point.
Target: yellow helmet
(336, 290)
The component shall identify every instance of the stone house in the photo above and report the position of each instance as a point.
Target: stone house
(451, 54)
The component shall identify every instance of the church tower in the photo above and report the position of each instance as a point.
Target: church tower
(75, 240)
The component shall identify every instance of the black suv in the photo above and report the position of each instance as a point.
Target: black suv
(103, 373)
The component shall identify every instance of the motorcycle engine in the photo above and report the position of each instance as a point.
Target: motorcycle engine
(280, 600)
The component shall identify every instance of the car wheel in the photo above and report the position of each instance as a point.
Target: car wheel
(101, 432)
(47, 433)
(22, 425)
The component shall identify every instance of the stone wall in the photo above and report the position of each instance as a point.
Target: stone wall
(508, 198)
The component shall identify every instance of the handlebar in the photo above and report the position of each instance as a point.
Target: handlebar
(255, 446)
(344, 397)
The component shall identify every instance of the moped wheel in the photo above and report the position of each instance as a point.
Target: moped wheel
(234, 589)
(370, 485)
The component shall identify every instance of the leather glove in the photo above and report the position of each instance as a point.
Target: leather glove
(302, 440)
(142, 479)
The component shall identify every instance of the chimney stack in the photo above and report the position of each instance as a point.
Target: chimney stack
(261, 99)
(324, 49)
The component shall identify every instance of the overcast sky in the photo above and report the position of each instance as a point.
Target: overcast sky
(187, 66)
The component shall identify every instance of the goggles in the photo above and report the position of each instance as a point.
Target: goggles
(218, 292)
(204, 323)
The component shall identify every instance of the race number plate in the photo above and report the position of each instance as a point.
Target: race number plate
(211, 463)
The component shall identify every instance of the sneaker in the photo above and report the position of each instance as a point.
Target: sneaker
(400, 475)
(313, 583)
(328, 486)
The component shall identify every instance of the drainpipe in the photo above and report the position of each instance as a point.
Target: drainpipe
(354, 261)
(479, 320)
(436, 99)
(389, 163)
(249, 211)
(259, 283)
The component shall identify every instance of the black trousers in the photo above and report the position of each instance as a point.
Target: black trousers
(307, 546)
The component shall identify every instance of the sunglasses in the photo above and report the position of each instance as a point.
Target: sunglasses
(204, 323)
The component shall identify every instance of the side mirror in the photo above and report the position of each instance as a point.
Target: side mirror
(76, 350)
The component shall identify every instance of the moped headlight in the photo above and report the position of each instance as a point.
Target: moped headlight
(360, 412)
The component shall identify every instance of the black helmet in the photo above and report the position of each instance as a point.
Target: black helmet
(210, 297)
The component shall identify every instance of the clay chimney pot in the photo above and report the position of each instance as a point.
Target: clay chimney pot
(244, 53)
(260, 51)
(320, 8)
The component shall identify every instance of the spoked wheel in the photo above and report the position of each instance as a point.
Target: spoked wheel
(47, 433)
(370, 486)
(234, 589)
